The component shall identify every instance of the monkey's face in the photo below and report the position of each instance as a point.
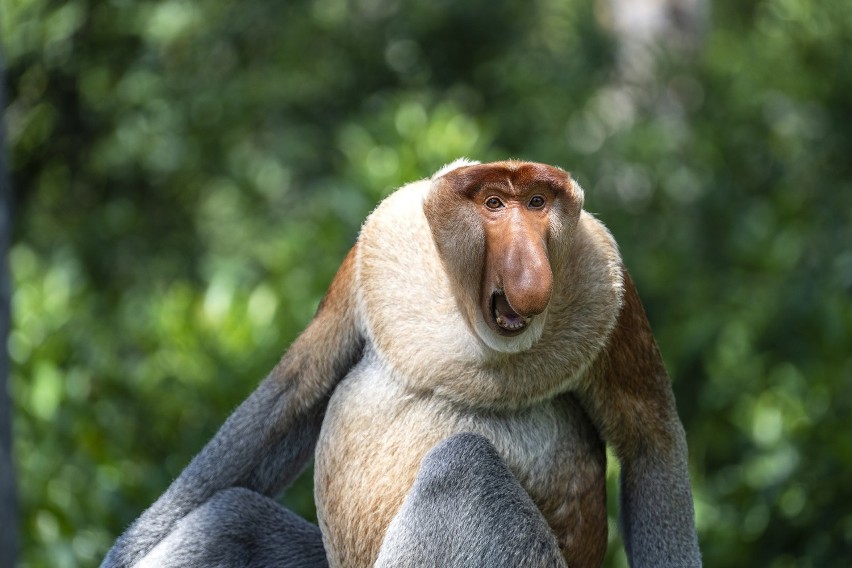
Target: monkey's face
(501, 230)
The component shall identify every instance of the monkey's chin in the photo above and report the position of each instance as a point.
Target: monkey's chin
(521, 341)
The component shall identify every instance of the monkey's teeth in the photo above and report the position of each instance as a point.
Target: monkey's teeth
(509, 325)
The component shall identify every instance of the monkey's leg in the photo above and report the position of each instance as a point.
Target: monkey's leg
(238, 527)
(466, 509)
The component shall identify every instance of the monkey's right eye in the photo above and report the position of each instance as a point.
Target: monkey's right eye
(493, 203)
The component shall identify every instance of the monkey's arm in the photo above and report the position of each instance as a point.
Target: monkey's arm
(631, 401)
(268, 439)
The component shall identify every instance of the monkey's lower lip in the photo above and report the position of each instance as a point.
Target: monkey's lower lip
(506, 320)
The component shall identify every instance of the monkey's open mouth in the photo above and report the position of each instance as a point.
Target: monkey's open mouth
(507, 321)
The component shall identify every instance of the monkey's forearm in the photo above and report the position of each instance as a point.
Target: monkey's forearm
(657, 516)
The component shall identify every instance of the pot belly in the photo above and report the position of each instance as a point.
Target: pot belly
(375, 435)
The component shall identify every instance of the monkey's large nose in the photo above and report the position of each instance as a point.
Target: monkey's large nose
(527, 278)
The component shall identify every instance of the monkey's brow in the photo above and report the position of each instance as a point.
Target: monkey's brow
(515, 188)
(504, 186)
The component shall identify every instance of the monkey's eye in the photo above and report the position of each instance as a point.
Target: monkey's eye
(537, 202)
(493, 203)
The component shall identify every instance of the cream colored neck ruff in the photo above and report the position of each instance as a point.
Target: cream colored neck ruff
(438, 346)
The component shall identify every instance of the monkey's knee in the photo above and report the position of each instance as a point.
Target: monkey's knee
(466, 473)
(459, 449)
(239, 527)
(461, 460)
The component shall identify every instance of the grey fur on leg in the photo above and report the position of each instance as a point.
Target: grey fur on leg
(466, 509)
(238, 527)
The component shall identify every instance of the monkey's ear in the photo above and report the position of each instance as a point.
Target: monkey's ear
(454, 165)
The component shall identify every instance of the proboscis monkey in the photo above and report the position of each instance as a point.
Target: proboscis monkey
(480, 344)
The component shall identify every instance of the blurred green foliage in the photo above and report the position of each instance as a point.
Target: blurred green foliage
(188, 176)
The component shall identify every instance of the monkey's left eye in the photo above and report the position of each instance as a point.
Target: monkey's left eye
(493, 203)
(537, 202)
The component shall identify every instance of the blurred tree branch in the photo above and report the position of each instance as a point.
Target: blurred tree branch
(8, 502)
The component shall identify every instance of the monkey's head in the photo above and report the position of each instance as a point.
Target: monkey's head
(502, 230)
